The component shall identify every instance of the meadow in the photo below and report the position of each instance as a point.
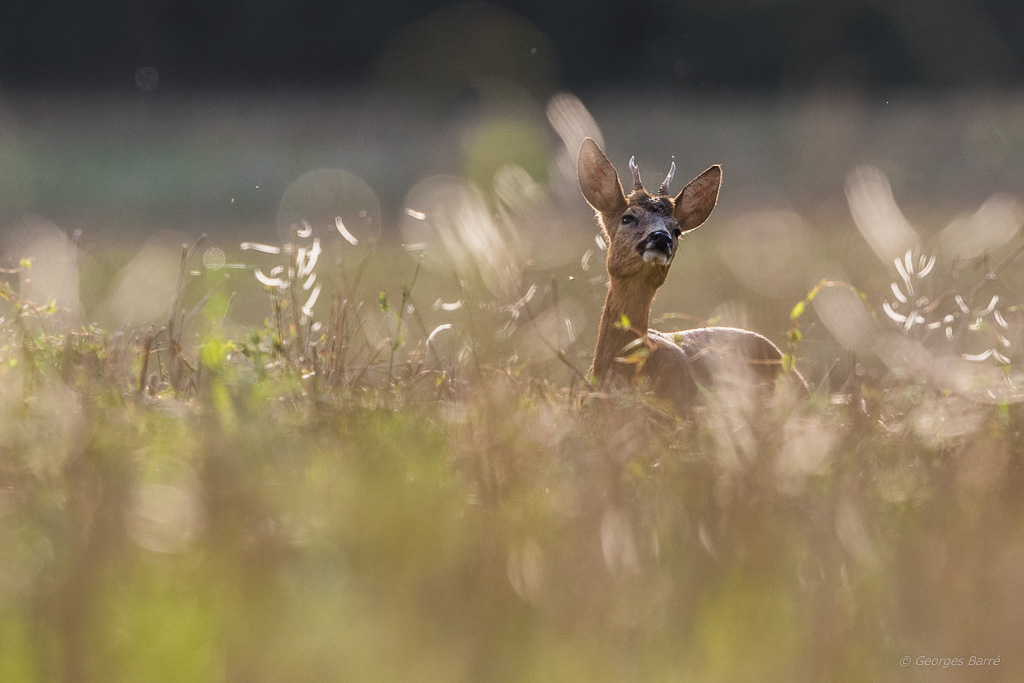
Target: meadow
(359, 443)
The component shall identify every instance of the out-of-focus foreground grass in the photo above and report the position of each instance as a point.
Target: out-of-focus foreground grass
(402, 474)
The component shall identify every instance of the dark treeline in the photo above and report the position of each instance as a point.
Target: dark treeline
(709, 44)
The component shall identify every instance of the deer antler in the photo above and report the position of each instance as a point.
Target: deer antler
(637, 183)
(668, 180)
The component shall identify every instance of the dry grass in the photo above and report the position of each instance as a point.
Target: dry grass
(371, 465)
(384, 498)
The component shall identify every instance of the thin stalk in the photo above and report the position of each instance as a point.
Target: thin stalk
(396, 341)
(147, 347)
(339, 313)
(292, 287)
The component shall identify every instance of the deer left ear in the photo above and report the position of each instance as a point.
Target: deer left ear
(598, 179)
(694, 203)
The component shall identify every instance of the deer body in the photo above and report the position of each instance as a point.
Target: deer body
(642, 232)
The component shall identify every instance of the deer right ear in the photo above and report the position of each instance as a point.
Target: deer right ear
(694, 204)
(598, 179)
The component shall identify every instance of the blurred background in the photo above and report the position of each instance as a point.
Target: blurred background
(118, 115)
(128, 112)
(128, 118)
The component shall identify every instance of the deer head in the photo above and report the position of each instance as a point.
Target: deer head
(643, 230)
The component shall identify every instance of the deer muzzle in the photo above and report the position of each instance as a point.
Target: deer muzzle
(657, 247)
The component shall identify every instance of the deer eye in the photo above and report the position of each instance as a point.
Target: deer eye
(628, 219)
(677, 232)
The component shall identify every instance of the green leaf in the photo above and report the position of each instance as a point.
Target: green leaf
(214, 352)
(788, 362)
(798, 310)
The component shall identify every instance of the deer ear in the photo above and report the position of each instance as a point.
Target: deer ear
(598, 179)
(694, 203)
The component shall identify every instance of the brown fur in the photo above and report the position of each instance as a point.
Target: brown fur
(678, 365)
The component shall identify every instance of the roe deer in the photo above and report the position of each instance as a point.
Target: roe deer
(643, 232)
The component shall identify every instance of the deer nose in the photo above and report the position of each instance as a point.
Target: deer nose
(659, 239)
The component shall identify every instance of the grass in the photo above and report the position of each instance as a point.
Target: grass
(197, 500)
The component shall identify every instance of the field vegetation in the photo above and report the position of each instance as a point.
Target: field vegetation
(331, 456)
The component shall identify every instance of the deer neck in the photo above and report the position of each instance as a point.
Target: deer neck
(632, 299)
